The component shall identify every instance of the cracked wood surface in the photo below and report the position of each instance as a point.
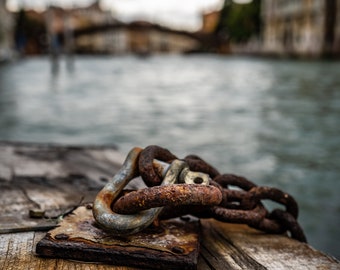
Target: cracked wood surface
(56, 178)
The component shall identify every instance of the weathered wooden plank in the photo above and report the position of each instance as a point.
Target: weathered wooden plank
(241, 247)
(49, 178)
(57, 161)
(51, 196)
(220, 253)
(53, 178)
(17, 253)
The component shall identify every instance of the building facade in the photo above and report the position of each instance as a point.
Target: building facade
(63, 22)
(301, 27)
(210, 21)
(102, 33)
(6, 32)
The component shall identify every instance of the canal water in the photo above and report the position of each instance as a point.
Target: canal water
(276, 122)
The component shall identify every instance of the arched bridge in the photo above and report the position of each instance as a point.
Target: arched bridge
(205, 40)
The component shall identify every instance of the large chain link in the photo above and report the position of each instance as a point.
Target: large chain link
(228, 198)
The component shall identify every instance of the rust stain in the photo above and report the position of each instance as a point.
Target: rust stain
(174, 244)
(170, 196)
(170, 236)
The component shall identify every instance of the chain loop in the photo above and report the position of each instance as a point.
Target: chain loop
(117, 223)
(146, 168)
(170, 196)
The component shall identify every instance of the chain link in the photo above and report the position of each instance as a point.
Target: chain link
(228, 197)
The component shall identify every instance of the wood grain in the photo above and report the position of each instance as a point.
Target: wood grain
(55, 178)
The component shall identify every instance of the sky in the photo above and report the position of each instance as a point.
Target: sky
(185, 14)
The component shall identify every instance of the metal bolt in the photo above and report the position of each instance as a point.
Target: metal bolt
(36, 213)
(61, 236)
(190, 177)
(198, 180)
(177, 250)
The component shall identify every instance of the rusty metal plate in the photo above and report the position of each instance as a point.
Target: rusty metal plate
(174, 244)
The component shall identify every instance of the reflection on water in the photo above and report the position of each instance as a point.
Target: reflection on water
(275, 122)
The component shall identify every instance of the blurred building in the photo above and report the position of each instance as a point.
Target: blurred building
(210, 20)
(308, 28)
(62, 23)
(235, 27)
(146, 37)
(219, 43)
(6, 32)
(30, 32)
(94, 30)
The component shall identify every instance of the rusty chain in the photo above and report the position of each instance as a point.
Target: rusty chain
(227, 197)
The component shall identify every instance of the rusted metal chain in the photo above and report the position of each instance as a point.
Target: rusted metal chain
(275, 195)
(146, 168)
(227, 180)
(227, 198)
(197, 164)
(170, 196)
(120, 224)
(249, 217)
(290, 223)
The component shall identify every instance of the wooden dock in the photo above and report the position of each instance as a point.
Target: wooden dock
(49, 180)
